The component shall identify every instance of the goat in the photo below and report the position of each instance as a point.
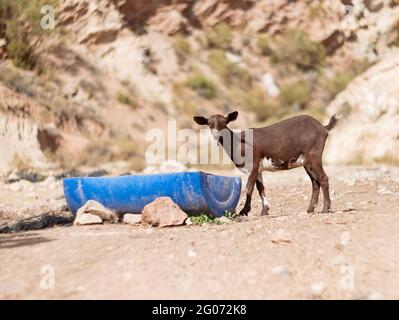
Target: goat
(291, 143)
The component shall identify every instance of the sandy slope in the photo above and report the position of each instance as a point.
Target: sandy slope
(352, 253)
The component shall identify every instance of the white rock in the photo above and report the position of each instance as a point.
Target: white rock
(345, 238)
(188, 222)
(233, 58)
(130, 218)
(375, 296)
(87, 219)
(317, 289)
(281, 236)
(99, 210)
(224, 220)
(191, 253)
(282, 271)
(172, 166)
(269, 85)
(15, 187)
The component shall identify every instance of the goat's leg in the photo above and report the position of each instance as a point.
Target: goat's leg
(323, 179)
(315, 187)
(250, 188)
(261, 189)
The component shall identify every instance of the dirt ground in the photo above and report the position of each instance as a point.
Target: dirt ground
(352, 253)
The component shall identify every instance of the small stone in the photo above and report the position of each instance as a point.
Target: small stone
(317, 289)
(87, 219)
(345, 238)
(15, 187)
(132, 219)
(188, 222)
(282, 271)
(99, 210)
(191, 253)
(281, 236)
(375, 296)
(224, 220)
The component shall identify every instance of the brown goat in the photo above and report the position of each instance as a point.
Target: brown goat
(295, 142)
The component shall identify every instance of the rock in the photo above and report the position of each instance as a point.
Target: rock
(191, 253)
(345, 238)
(96, 208)
(370, 116)
(282, 271)
(233, 58)
(130, 218)
(317, 289)
(374, 5)
(224, 220)
(15, 187)
(269, 85)
(87, 219)
(375, 296)
(169, 21)
(188, 222)
(165, 167)
(163, 212)
(281, 236)
(49, 137)
(172, 166)
(3, 48)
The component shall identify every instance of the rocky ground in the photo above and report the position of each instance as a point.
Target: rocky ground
(351, 253)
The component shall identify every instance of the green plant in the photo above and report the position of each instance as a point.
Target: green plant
(264, 45)
(295, 93)
(200, 84)
(203, 218)
(257, 101)
(231, 73)
(20, 25)
(295, 47)
(182, 46)
(21, 162)
(317, 11)
(220, 36)
(337, 83)
(125, 99)
(229, 215)
(345, 109)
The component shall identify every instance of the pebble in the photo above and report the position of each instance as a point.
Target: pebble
(281, 236)
(191, 253)
(132, 219)
(224, 220)
(317, 289)
(87, 219)
(282, 271)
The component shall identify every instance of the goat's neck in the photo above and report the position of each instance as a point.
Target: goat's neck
(232, 145)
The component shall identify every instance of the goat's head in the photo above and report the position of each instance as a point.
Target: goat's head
(217, 122)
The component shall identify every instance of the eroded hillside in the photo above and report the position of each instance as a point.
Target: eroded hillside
(86, 92)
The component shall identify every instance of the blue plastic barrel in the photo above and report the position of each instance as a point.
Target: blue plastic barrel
(194, 192)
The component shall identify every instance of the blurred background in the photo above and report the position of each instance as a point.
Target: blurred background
(85, 92)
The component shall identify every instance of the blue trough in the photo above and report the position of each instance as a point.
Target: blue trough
(194, 192)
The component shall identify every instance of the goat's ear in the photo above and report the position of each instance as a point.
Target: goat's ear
(201, 120)
(232, 116)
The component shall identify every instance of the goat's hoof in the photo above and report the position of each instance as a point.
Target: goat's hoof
(325, 210)
(265, 211)
(244, 212)
(310, 210)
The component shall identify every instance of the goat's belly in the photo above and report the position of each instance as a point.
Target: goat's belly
(273, 165)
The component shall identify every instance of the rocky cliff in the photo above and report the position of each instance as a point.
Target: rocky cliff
(112, 69)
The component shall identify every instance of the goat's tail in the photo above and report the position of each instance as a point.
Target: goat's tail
(333, 122)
